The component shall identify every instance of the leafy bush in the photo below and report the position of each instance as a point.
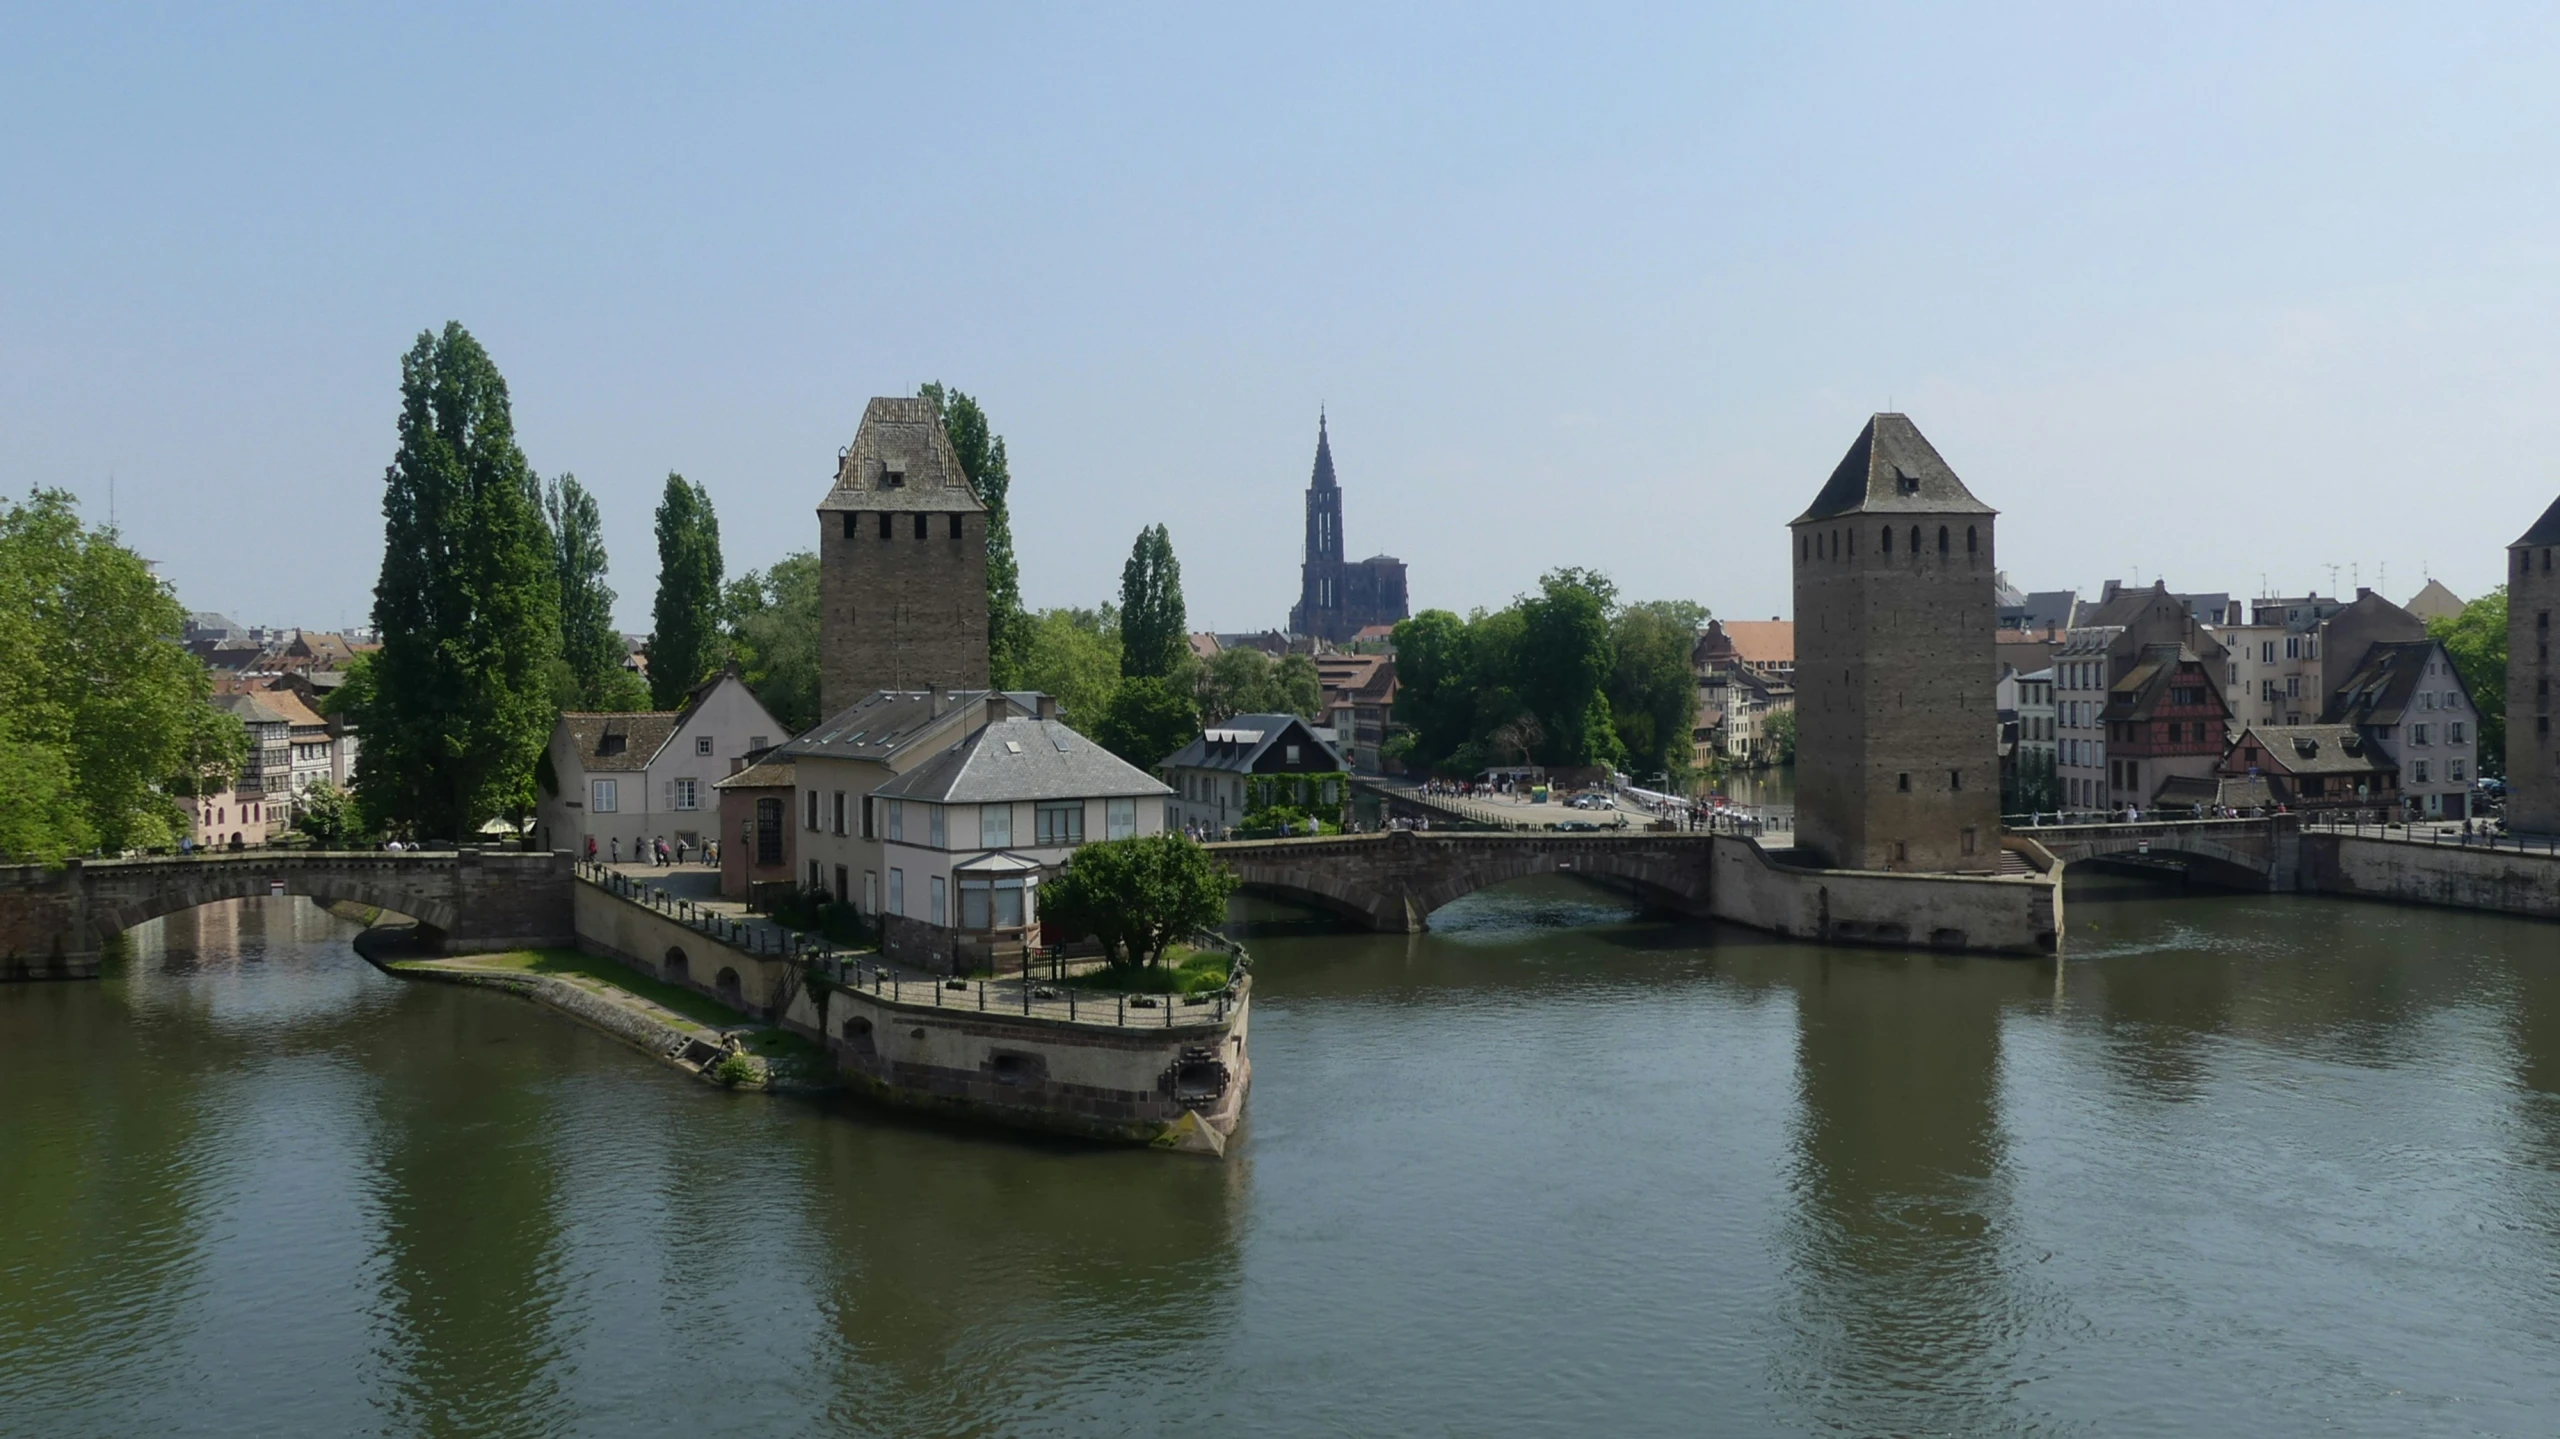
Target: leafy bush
(736, 1069)
(815, 911)
(1139, 895)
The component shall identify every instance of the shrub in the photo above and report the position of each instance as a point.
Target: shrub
(734, 1070)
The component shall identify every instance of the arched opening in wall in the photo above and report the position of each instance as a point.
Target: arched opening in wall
(1510, 909)
(1915, 543)
(1942, 541)
(1972, 541)
(678, 968)
(1888, 539)
(1013, 1067)
(856, 1033)
(727, 984)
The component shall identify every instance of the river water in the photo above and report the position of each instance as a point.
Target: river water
(2242, 1165)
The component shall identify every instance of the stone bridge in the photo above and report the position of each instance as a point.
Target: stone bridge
(1393, 881)
(2263, 853)
(53, 921)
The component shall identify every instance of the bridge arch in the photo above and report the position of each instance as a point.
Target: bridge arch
(114, 915)
(1393, 882)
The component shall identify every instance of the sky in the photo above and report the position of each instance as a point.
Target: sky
(2259, 299)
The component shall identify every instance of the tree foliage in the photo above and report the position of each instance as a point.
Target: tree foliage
(104, 716)
(1138, 895)
(1074, 655)
(328, 818)
(773, 635)
(982, 458)
(1148, 719)
(2476, 641)
(1565, 676)
(591, 650)
(1155, 636)
(1247, 681)
(685, 641)
(459, 700)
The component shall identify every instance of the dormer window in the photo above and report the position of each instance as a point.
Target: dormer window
(1906, 482)
(893, 478)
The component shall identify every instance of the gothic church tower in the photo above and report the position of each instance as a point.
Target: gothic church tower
(902, 562)
(1897, 739)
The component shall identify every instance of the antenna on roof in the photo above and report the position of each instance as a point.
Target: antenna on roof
(2333, 579)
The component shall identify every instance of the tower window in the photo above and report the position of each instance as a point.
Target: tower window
(1915, 542)
(1888, 539)
(920, 526)
(884, 524)
(893, 479)
(1902, 782)
(955, 527)
(1972, 545)
(1942, 539)
(1908, 484)
(1955, 779)
(852, 522)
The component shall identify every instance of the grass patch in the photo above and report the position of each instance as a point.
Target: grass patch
(1183, 970)
(574, 964)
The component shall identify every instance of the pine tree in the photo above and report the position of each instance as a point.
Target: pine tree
(687, 645)
(1155, 636)
(982, 458)
(467, 605)
(591, 649)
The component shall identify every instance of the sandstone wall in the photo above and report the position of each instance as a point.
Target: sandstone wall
(2006, 915)
(2501, 881)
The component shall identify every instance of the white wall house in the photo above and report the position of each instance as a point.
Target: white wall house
(624, 779)
(839, 763)
(967, 836)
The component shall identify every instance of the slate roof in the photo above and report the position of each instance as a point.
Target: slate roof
(1022, 759)
(2379, 691)
(2313, 749)
(885, 723)
(1238, 743)
(2545, 531)
(769, 774)
(2137, 696)
(253, 707)
(1892, 469)
(904, 437)
(633, 739)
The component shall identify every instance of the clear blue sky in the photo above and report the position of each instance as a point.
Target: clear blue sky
(2217, 292)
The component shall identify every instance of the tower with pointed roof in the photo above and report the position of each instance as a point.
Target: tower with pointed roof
(1897, 763)
(1337, 598)
(902, 562)
(2533, 751)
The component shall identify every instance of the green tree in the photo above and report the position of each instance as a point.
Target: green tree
(773, 633)
(1138, 895)
(1155, 637)
(1778, 736)
(1435, 698)
(1296, 688)
(1564, 665)
(591, 676)
(1149, 718)
(2476, 641)
(685, 645)
(103, 713)
(982, 458)
(1653, 688)
(1074, 655)
(328, 818)
(459, 698)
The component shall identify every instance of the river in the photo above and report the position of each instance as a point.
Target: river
(2242, 1165)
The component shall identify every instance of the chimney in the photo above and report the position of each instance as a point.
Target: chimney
(1048, 707)
(933, 702)
(998, 707)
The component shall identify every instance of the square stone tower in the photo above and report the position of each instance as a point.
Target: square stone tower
(1897, 737)
(902, 562)
(2533, 752)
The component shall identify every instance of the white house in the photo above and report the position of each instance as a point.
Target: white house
(621, 780)
(967, 835)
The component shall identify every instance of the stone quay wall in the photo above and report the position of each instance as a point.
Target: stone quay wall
(2453, 876)
(2006, 914)
(1180, 1084)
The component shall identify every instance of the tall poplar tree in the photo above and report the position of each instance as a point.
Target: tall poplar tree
(591, 650)
(982, 458)
(1155, 636)
(687, 644)
(468, 605)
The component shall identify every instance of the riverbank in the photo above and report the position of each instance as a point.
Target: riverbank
(680, 1029)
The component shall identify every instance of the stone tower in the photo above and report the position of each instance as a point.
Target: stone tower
(2533, 753)
(1337, 598)
(1897, 739)
(902, 563)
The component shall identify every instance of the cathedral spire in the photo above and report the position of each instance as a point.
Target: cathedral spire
(1324, 455)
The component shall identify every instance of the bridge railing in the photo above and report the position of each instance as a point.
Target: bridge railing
(2448, 834)
(1021, 993)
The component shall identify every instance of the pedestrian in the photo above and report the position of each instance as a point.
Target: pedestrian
(591, 849)
(680, 847)
(617, 849)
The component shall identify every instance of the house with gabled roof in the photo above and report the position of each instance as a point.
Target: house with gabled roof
(2407, 697)
(2166, 726)
(968, 835)
(2315, 767)
(1208, 775)
(620, 780)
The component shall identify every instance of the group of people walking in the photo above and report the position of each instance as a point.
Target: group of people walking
(655, 851)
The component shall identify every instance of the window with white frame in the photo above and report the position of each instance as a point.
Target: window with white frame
(2422, 771)
(839, 811)
(2454, 769)
(2418, 734)
(898, 892)
(933, 836)
(1119, 818)
(604, 796)
(683, 794)
(939, 884)
(811, 807)
(2453, 732)
(897, 831)
(1061, 823)
(702, 744)
(995, 827)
